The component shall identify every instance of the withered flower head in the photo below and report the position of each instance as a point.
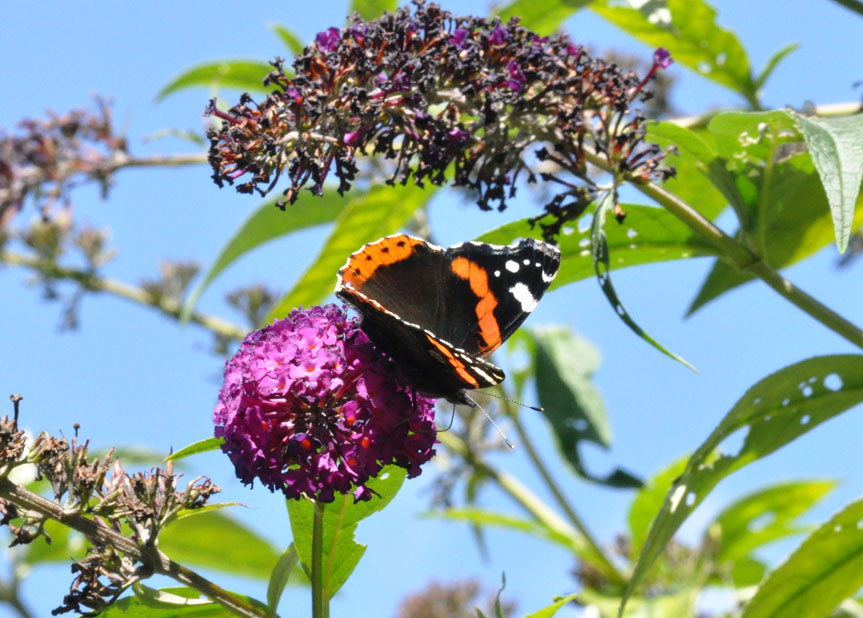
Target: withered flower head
(436, 95)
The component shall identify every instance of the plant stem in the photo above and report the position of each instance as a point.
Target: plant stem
(320, 605)
(583, 544)
(150, 556)
(739, 255)
(95, 283)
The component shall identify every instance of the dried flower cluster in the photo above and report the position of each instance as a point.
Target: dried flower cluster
(436, 95)
(92, 495)
(308, 407)
(44, 158)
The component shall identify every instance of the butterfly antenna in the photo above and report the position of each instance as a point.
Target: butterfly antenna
(491, 420)
(451, 419)
(516, 402)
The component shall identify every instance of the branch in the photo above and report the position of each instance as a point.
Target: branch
(150, 557)
(94, 283)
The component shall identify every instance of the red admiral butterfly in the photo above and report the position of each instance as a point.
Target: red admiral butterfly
(440, 312)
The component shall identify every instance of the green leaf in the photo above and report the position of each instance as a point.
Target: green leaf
(763, 517)
(372, 9)
(693, 38)
(774, 412)
(201, 446)
(785, 216)
(65, 544)
(541, 16)
(551, 610)
(646, 236)
(169, 598)
(290, 40)
(677, 605)
(231, 73)
(341, 553)
(599, 254)
(267, 223)
(216, 541)
(564, 367)
(647, 502)
(383, 210)
(836, 146)
(826, 569)
(167, 603)
(702, 180)
(280, 575)
(772, 63)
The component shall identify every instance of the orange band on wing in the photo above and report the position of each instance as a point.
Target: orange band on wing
(455, 363)
(386, 251)
(477, 277)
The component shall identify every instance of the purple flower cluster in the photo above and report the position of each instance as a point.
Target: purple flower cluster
(442, 98)
(309, 407)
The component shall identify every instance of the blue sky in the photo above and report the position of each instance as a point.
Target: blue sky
(131, 377)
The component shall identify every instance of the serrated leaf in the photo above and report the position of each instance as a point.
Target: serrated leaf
(541, 16)
(290, 40)
(551, 610)
(692, 36)
(372, 9)
(774, 412)
(771, 65)
(341, 553)
(648, 501)
(201, 446)
(267, 223)
(280, 575)
(230, 73)
(599, 254)
(763, 517)
(646, 236)
(564, 367)
(216, 541)
(826, 569)
(836, 146)
(381, 211)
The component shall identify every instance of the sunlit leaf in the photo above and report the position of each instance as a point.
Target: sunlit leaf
(541, 16)
(168, 603)
(774, 412)
(383, 210)
(692, 36)
(216, 541)
(201, 446)
(341, 553)
(824, 570)
(564, 367)
(600, 255)
(647, 502)
(265, 224)
(372, 9)
(551, 610)
(836, 146)
(232, 73)
(680, 604)
(771, 65)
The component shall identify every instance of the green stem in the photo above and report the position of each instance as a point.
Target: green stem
(583, 544)
(94, 283)
(99, 534)
(320, 604)
(739, 255)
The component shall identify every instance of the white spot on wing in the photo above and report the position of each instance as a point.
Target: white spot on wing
(522, 294)
(546, 277)
(526, 262)
(497, 273)
(512, 266)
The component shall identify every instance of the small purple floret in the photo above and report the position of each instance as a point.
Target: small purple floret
(517, 79)
(459, 38)
(499, 36)
(309, 408)
(329, 39)
(662, 58)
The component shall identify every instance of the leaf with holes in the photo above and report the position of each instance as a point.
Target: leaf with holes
(240, 74)
(825, 570)
(267, 223)
(381, 211)
(777, 410)
(341, 553)
(762, 517)
(599, 254)
(836, 146)
(701, 178)
(563, 366)
(541, 16)
(646, 236)
(692, 36)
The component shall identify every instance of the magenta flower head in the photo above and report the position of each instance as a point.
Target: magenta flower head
(309, 407)
(662, 58)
